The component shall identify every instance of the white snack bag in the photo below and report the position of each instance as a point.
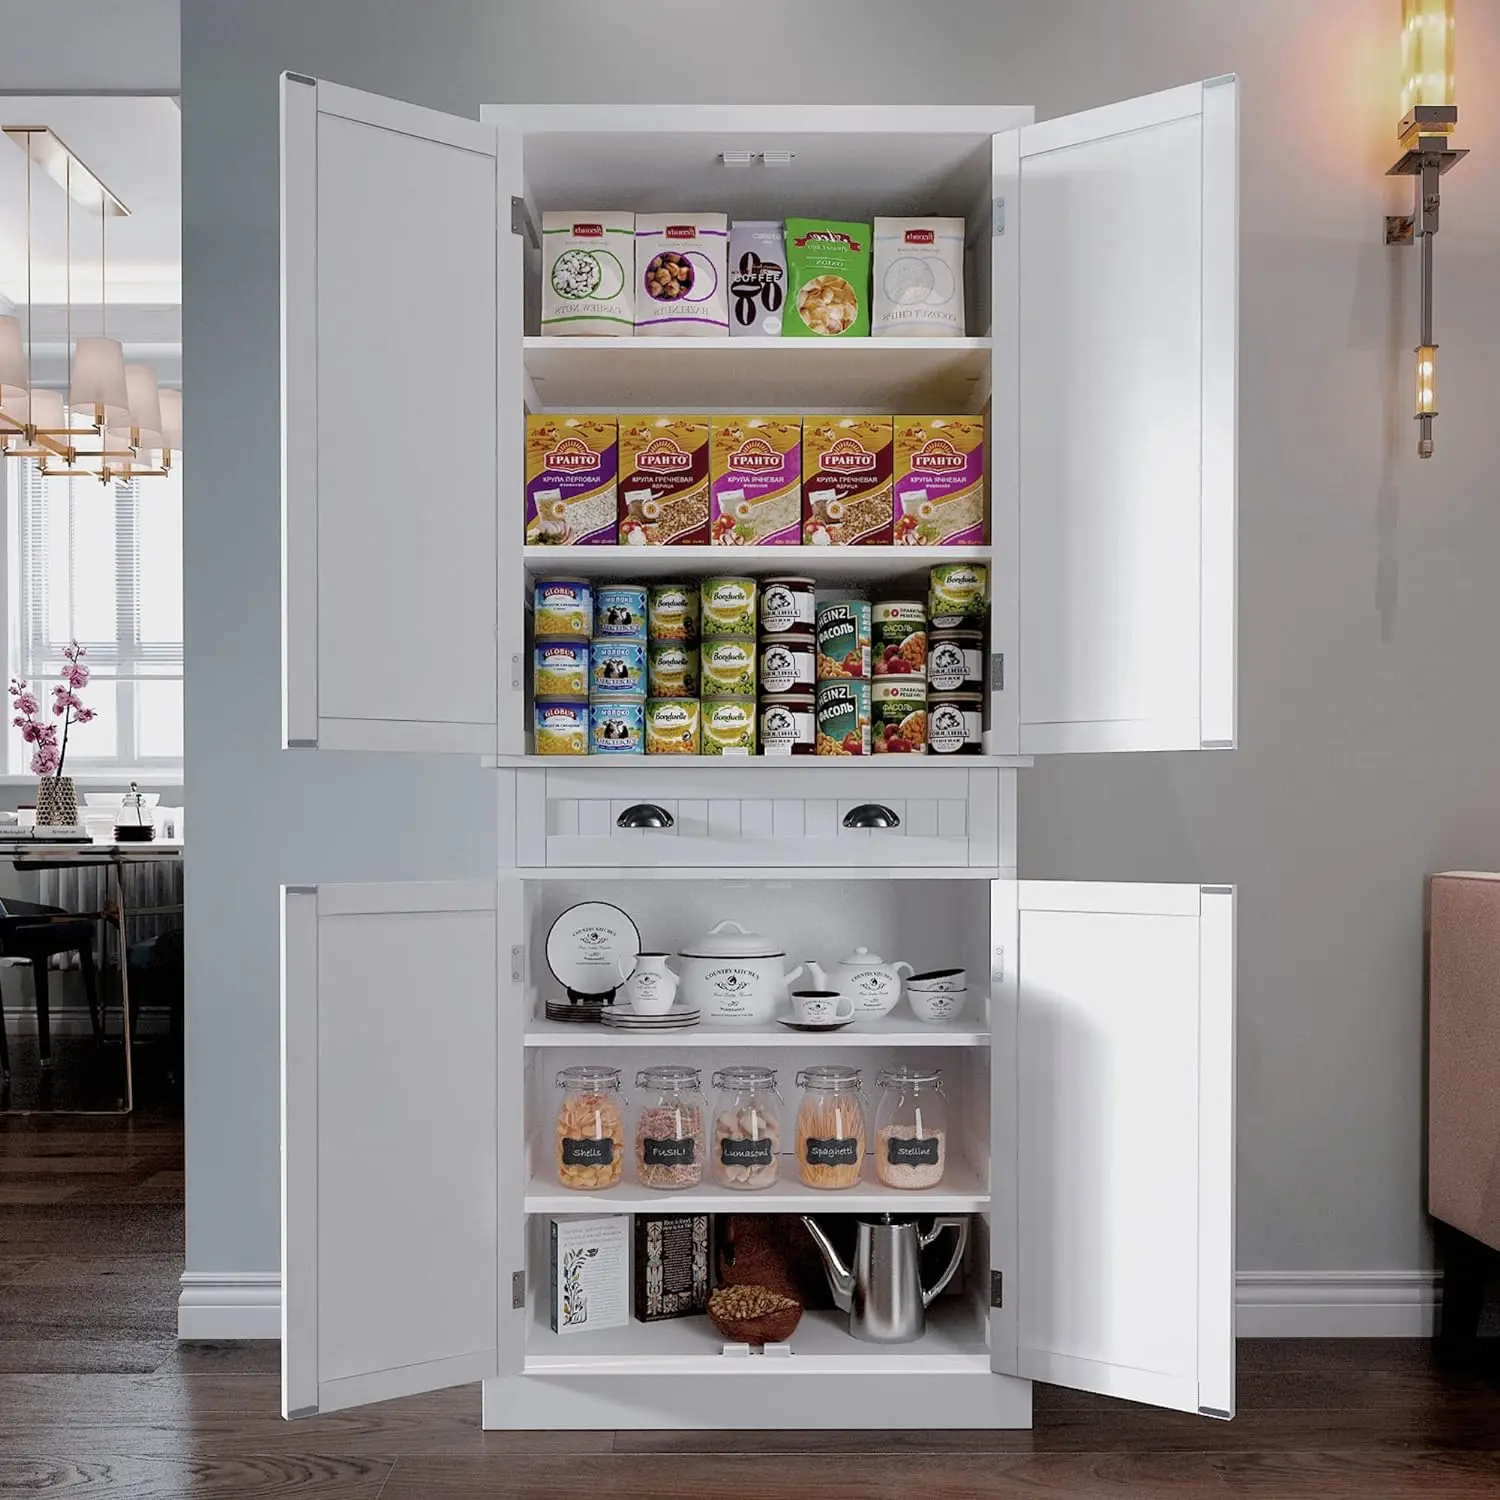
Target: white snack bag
(681, 274)
(918, 279)
(588, 266)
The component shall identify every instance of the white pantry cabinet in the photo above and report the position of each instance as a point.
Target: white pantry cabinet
(1091, 1080)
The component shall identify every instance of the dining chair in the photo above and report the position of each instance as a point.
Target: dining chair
(35, 933)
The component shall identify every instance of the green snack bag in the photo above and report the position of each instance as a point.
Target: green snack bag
(828, 280)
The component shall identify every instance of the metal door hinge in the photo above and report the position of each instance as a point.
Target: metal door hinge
(997, 968)
(518, 1289)
(997, 1288)
(520, 221)
(517, 964)
(997, 218)
(515, 670)
(997, 671)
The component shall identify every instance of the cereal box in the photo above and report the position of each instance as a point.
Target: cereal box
(846, 484)
(663, 481)
(570, 480)
(755, 481)
(940, 481)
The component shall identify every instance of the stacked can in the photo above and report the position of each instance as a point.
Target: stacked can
(958, 602)
(672, 709)
(788, 667)
(617, 671)
(729, 662)
(898, 709)
(562, 622)
(843, 696)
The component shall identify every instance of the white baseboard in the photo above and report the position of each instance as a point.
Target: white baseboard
(1268, 1304)
(235, 1305)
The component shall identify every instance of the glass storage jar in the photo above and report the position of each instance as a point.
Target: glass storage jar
(747, 1127)
(669, 1127)
(590, 1136)
(830, 1126)
(911, 1127)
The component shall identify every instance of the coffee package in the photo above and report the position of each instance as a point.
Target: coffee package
(663, 481)
(757, 277)
(846, 481)
(755, 479)
(918, 289)
(681, 264)
(588, 269)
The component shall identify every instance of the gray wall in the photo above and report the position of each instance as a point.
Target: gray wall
(1370, 725)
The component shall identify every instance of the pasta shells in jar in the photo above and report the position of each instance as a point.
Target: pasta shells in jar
(747, 1128)
(590, 1130)
(830, 1126)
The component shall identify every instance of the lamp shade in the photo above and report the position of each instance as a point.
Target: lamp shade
(99, 380)
(143, 430)
(171, 419)
(1426, 53)
(47, 411)
(12, 362)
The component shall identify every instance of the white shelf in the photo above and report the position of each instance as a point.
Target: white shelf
(857, 765)
(900, 376)
(888, 1031)
(962, 1190)
(758, 873)
(954, 1343)
(829, 565)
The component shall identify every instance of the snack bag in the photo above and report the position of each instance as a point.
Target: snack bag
(588, 264)
(919, 279)
(681, 266)
(828, 280)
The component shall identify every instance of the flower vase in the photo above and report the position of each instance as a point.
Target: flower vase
(56, 801)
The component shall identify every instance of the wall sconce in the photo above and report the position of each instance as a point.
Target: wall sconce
(1428, 117)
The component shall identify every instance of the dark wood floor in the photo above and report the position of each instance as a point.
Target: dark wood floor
(97, 1398)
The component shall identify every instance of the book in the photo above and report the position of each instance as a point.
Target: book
(589, 1273)
(672, 1264)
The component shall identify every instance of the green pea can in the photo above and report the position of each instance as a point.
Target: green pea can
(958, 594)
(672, 611)
(728, 607)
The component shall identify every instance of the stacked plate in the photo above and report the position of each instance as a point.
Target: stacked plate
(679, 1018)
(587, 1012)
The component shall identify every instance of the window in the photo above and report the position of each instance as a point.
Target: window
(102, 563)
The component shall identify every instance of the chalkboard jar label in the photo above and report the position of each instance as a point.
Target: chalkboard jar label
(587, 1153)
(742, 1153)
(836, 1151)
(918, 1151)
(669, 1152)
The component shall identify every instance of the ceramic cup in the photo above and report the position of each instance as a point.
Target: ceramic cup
(937, 1005)
(938, 980)
(820, 1007)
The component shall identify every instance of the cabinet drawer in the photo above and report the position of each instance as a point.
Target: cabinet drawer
(764, 817)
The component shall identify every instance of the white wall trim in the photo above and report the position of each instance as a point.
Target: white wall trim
(232, 1305)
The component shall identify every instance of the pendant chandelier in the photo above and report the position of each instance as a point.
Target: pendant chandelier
(115, 421)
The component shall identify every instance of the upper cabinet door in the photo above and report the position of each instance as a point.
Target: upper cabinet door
(401, 1071)
(1117, 291)
(1120, 1041)
(391, 239)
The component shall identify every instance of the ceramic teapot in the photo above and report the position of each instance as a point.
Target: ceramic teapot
(867, 979)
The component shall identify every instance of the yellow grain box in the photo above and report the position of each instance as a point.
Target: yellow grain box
(846, 481)
(755, 481)
(940, 482)
(663, 481)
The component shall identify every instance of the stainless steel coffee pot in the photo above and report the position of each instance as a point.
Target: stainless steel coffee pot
(883, 1292)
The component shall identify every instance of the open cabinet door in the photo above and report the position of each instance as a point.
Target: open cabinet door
(391, 241)
(1118, 1038)
(401, 1225)
(1116, 290)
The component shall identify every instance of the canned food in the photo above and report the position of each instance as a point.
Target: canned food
(620, 611)
(844, 640)
(562, 728)
(617, 669)
(788, 725)
(560, 669)
(672, 612)
(843, 711)
(617, 727)
(788, 664)
(955, 661)
(899, 642)
(672, 726)
(728, 607)
(955, 724)
(898, 716)
(787, 604)
(672, 669)
(957, 592)
(563, 609)
(729, 727)
(728, 669)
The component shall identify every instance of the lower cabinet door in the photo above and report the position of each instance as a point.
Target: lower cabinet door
(400, 1170)
(1114, 1108)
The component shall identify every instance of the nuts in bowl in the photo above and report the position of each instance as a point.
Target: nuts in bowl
(754, 1314)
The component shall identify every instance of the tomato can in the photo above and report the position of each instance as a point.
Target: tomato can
(843, 712)
(844, 641)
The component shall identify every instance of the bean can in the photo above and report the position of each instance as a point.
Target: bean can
(788, 725)
(617, 669)
(899, 644)
(898, 716)
(788, 664)
(672, 612)
(561, 670)
(728, 668)
(728, 607)
(729, 727)
(672, 726)
(955, 661)
(844, 641)
(672, 669)
(617, 727)
(788, 604)
(843, 710)
(620, 611)
(563, 609)
(562, 728)
(955, 724)
(957, 593)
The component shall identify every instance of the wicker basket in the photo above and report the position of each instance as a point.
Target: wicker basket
(771, 1328)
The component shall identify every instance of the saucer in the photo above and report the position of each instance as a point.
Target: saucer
(795, 1025)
